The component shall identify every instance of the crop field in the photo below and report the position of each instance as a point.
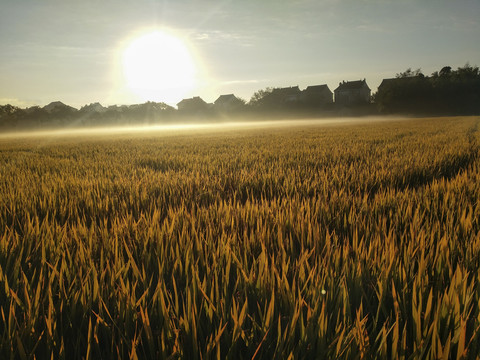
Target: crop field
(309, 241)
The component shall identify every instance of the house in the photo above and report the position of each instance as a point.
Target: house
(387, 82)
(279, 98)
(350, 93)
(288, 95)
(58, 107)
(195, 104)
(317, 95)
(404, 94)
(228, 102)
(400, 81)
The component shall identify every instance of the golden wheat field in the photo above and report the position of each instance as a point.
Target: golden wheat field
(308, 241)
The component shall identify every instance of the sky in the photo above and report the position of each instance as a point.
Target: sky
(74, 51)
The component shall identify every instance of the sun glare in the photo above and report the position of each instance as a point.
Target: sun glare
(158, 67)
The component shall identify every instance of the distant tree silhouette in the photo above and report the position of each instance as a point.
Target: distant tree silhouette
(409, 73)
(258, 97)
(8, 110)
(9, 115)
(446, 71)
(445, 92)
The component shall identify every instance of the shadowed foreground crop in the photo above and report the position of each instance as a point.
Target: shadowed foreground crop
(349, 241)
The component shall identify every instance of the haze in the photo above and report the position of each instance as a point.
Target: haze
(194, 129)
(72, 51)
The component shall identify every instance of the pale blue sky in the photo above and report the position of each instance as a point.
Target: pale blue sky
(69, 50)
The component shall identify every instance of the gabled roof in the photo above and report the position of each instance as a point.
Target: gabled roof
(399, 80)
(387, 81)
(226, 98)
(57, 105)
(316, 88)
(292, 90)
(196, 100)
(351, 85)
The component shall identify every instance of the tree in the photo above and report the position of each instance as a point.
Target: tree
(446, 71)
(467, 72)
(410, 92)
(446, 92)
(410, 73)
(259, 96)
(9, 115)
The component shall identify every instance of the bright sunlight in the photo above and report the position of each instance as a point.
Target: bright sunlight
(158, 67)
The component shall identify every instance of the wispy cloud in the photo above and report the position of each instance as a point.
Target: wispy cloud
(222, 36)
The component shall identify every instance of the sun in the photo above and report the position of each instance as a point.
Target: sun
(158, 67)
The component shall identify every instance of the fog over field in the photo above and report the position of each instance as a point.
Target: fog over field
(189, 128)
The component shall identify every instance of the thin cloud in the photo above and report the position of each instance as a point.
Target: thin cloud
(223, 36)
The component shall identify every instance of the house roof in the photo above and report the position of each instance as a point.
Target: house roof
(351, 85)
(226, 98)
(316, 88)
(196, 100)
(292, 90)
(387, 81)
(399, 80)
(57, 105)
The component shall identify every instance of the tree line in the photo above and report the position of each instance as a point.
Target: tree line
(444, 92)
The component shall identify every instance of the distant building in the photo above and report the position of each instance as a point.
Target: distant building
(387, 82)
(195, 104)
(228, 102)
(400, 81)
(317, 95)
(58, 106)
(350, 93)
(286, 95)
(404, 94)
